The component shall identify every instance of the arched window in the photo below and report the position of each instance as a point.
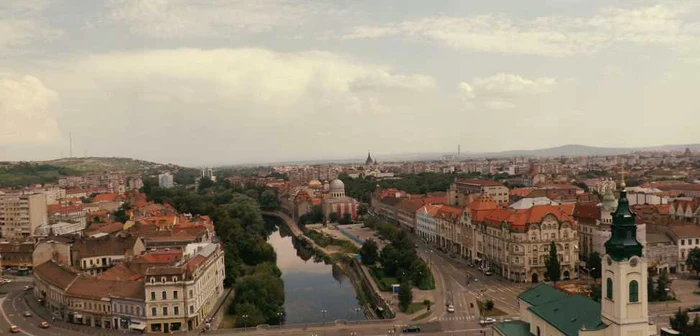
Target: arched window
(609, 289)
(634, 291)
(538, 331)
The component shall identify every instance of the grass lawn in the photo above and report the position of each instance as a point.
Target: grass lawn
(383, 282)
(415, 307)
(422, 316)
(489, 313)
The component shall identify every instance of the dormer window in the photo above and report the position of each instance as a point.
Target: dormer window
(162, 280)
(174, 279)
(153, 280)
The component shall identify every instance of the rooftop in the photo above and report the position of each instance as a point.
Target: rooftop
(513, 328)
(570, 314)
(540, 294)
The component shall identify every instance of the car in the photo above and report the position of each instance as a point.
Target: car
(14, 329)
(693, 309)
(489, 273)
(27, 313)
(8, 280)
(44, 325)
(487, 321)
(450, 309)
(26, 288)
(411, 329)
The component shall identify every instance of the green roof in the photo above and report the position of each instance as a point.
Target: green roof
(513, 328)
(570, 314)
(540, 294)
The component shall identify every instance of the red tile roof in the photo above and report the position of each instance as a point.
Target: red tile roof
(587, 212)
(519, 219)
(105, 198)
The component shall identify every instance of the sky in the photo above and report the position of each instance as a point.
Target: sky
(209, 82)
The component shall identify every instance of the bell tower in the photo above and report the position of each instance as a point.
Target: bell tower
(624, 298)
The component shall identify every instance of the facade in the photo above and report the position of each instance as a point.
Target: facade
(458, 193)
(515, 243)
(21, 214)
(16, 254)
(686, 237)
(158, 294)
(623, 310)
(96, 255)
(426, 223)
(339, 203)
(165, 180)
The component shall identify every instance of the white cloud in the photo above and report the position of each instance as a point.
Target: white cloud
(185, 98)
(27, 111)
(19, 24)
(211, 18)
(555, 36)
(503, 90)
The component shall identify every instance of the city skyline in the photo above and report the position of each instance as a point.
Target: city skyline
(229, 82)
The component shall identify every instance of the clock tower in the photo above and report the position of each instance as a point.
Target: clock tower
(624, 276)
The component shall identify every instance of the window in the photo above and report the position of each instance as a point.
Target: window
(154, 311)
(164, 295)
(165, 311)
(176, 311)
(153, 280)
(153, 296)
(634, 291)
(534, 249)
(191, 309)
(538, 331)
(682, 241)
(609, 289)
(138, 310)
(174, 295)
(174, 279)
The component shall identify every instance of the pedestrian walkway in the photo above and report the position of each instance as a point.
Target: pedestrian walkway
(459, 318)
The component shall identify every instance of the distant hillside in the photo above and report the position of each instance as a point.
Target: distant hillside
(102, 164)
(580, 150)
(27, 173)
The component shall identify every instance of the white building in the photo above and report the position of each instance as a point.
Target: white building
(165, 180)
(21, 214)
(426, 223)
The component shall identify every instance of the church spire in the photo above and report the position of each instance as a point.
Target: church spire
(369, 160)
(623, 243)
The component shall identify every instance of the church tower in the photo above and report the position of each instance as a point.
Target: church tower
(369, 160)
(624, 276)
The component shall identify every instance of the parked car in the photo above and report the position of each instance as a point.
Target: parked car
(27, 313)
(489, 273)
(14, 329)
(44, 325)
(26, 288)
(693, 309)
(487, 321)
(411, 329)
(450, 308)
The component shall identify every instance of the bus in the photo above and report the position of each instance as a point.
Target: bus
(669, 332)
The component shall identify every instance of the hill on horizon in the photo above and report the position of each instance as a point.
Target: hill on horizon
(102, 164)
(582, 150)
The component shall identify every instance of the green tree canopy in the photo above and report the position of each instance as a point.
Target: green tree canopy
(693, 260)
(679, 321)
(405, 295)
(369, 252)
(552, 264)
(594, 264)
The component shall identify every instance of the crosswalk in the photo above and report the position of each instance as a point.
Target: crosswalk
(459, 318)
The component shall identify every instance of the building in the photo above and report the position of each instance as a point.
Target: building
(96, 255)
(686, 237)
(21, 214)
(458, 193)
(153, 293)
(165, 180)
(17, 254)
(426, 223)
(515, 243)
(338, 203)
(624, 306)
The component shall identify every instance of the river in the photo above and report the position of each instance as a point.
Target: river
(314, 292)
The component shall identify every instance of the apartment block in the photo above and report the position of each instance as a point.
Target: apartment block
(21, 214)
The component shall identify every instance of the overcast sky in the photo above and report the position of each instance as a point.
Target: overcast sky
(204, 82)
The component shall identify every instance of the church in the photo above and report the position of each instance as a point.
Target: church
(623, 310)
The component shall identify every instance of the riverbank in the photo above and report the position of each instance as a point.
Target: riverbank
(373, 303)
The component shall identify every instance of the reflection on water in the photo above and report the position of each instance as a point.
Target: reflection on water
(310, 286)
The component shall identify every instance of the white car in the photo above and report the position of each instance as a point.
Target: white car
(450, 308)
(488, 320)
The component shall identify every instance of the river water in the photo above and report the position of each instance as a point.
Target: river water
(314, 292)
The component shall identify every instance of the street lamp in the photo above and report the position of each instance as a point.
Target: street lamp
(245, 322)
(357, 312)
(279, 315)
(323, 311)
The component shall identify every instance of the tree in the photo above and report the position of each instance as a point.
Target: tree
(405, 295)
(594, 264)
(269, 200)
(362, 209)
(369, 252)
(204, 184)
(347, 219)
(552, 264)
(679, 321)
(596, 292)
(427, 303)
(693, 260)
(333, 217)
(661, 285)
(488, 305)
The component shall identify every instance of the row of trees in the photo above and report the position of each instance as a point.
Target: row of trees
(249, 259)
(680, 321)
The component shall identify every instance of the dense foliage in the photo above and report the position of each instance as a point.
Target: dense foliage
(405, 295)
(422, 183)
(369, 252)
(693, 260)
(249, 259)
(680, 321)
(25, 173)
(657, 291)
(594, 264)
